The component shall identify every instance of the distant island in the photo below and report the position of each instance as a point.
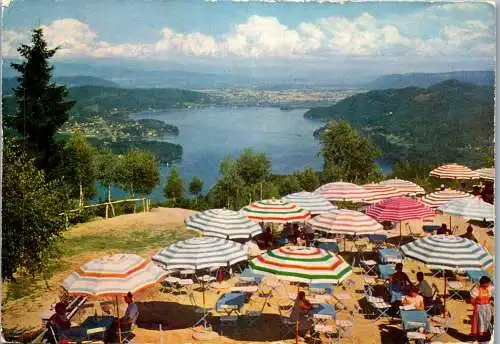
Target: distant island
(450, 121)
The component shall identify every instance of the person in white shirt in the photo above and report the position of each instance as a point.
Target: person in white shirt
(424, 288)
(131, 314)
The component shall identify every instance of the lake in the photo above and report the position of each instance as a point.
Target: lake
(208, 135)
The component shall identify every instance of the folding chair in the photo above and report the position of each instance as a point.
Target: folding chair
(369, 286)
(380, 306)
(326, 330)
(50, 336)
(368, 266)
(455, 288)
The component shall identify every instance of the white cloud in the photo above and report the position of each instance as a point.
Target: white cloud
(266, 38)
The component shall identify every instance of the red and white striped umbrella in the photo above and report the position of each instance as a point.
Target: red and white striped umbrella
(379, 192)
(405, 186)
(399, 209)
(439, 198)
(345, 221)
(454, 171)
(278, 211)
(341, 191)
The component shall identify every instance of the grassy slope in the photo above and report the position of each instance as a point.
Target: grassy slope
(142, 234)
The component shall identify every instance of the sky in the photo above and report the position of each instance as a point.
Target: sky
(248, 37)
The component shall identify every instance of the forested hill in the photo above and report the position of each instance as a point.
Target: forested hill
(92, 99)
(424, 80)
(450, 121)
(8, 84)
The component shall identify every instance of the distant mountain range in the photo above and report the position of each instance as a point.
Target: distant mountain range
(139, 77)
(425, 80)
(8, 84)
(447, 122)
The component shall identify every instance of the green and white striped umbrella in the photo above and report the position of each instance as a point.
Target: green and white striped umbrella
(223, 223)
(278, 211)
(315, 203)
(471, 208)
(302, 264)
(448, 252)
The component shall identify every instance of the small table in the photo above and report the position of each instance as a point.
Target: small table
(95, 322)
(230, 302)
(386, 270)
(282, 241)
(326, 288)
(390, 256)
(249, 276)
(475, 275)
(430, 228)
(329, 246)
(412, 320)
(323, 309)
(378, 240)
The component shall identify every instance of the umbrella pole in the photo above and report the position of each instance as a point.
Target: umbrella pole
(119, 325)
(204, 310)
(444, 296)
(297, 323)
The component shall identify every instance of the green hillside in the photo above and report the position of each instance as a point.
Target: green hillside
(92, 99)
(450, 121)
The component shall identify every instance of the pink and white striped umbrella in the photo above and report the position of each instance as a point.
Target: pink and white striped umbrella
(379, 192)
(454, 171)
(345, 221)
(439, 198)
(341, 191)
(399, 209)
(405, 186)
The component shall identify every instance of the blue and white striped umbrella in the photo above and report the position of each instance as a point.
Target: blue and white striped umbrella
(223, 223)
(471, 208)
(201, 253)
(315, 203)
(448, 252)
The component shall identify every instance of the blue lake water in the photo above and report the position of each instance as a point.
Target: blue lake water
(210, 134)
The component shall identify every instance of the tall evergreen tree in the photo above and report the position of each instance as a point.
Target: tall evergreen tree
(41, 105)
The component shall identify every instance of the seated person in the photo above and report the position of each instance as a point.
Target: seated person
(309, 234)
(469, 234)
(400, 278)
(444, 229)
(131, 314)
(268, 238)
(414, 299)
(300, 311)
(296, 233)
(424, 289)
(63, 326)
(288, 231)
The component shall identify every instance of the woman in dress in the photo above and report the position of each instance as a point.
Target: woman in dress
(482, 313)
(300, 312)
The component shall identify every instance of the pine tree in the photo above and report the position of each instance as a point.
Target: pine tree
(41, 105)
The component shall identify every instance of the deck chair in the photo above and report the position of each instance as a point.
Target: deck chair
(128, 335)
(412, 233)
